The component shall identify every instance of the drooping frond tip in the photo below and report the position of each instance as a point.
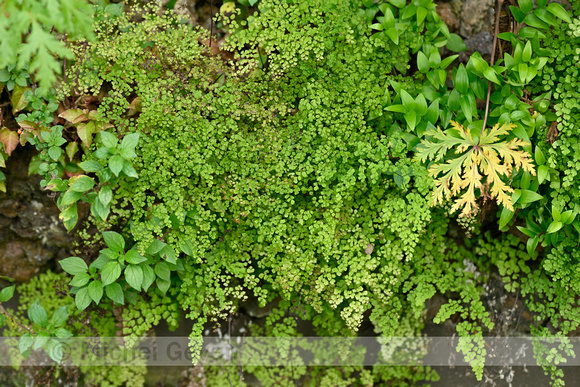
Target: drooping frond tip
(489, 161)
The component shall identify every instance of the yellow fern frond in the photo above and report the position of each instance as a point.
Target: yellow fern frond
(490, 160)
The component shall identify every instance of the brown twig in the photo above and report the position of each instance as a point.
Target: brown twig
(496, 31)
(4, 311)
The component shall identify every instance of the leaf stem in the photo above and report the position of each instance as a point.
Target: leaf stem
(496, 31)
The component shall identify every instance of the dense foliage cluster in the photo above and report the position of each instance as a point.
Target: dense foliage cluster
(302, 160)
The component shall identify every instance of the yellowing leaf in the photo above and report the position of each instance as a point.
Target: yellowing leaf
(10, 140)
(475, 165)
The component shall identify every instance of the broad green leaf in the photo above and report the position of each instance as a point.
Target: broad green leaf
(422, 62)
(114, 240)
(116, 164)
(25, 342)
(128, 145)
(99, 210)
(134, 257)
(71, 149)
(115, 293)
(554, 227)
(163, 285)
(531, 245)
(85, 132)
(148, 276)
(96, 291)
(7, 293)
(517, 14)
(91, 166)
(80, 280)
(526, 5)
(111, 272)
(491, 75)
(74, 265)
(73, 115)
(128, 169)
(162, 271)
(81, 183)
(37, 314)
(528, 196)
(41, 340)
(54, 350)
(556, 214)
(59, 316)
(109, 139)
(69, 217)
(455, 43)
(461, 80)
(393, 34)
(134, 276)
(82, 298)
(155, 247)
(168, 254)
(55, 152)
(505, 217)
(527, 231)
(559, 11)
(105, 195)
(447, 61)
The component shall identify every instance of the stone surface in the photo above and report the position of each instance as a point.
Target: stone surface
(476, 17)
(30, 231)
(448, 16)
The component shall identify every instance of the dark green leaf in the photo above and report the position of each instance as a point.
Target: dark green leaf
(163, 285)
(168, 254)
(532, 244)
(134, 257)
(461, 80)
(109, 139)
(528, 196)
(505, 217)
(54, 152)
(155, 247)
(148, 276)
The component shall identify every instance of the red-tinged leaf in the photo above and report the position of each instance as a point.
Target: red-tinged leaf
(71, 149)
(135, 106)
(18, 99)
(10, 140)
(85, 132)
(74, 115)
(30, 126)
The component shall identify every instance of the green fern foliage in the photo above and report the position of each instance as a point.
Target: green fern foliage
(475, 157)
(29, 31)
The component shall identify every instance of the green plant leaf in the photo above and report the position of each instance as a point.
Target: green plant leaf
(554, 227)
(59, 316)
(54, 350)
(81, 183)
(7, 293)
(116, 164)
(25, 342)
(37, 314)
(531, 245)
(163, 285)
(82, 298)
(162, 271)
(528, 196)
(114, 240)
(80, 280)
(111, 272)
(96, 291)
(128, 169)
(168, 254)
(74, 265)
(91, 166)
(455, 43)
(422, 62)
(505, 217)
(109, 140)
(115, 293)
(41, 340)
(134, 257)
(526, 5)
(105, 195)
(517, 14)
(559, 11)
(155, 247)
(461, 80)
(134, 276)
(148, 276)
(128, 145)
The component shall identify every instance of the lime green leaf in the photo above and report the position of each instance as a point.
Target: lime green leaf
(455, 43)
(554, 227)
(7, 293)
(74, 265)
(526, 5)
(559, 11)
(528, 196)
(105, 195)
(162, 271)
(80, 280)
(134, 257)
(532, 244)
(116, 164)
(422, 62)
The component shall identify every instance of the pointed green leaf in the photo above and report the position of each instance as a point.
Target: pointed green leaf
(7, 293)
(114, 240)
(115, 293)
(74, 265)
(134, 276)
(96, 291)
(59, 316)
(554, 227)
(111, 272)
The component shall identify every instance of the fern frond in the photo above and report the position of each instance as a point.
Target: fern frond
(491, 160)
